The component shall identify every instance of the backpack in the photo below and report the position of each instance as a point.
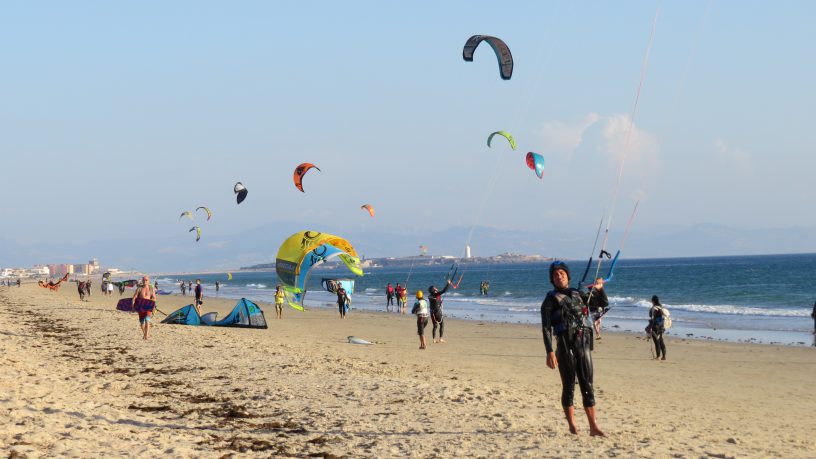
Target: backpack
(666, 316)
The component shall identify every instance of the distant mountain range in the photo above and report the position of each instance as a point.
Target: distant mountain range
(259, 245)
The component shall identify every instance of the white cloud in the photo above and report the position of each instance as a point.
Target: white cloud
(559, 136)
(735, 157)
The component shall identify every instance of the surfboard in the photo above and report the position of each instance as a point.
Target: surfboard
(356, 340)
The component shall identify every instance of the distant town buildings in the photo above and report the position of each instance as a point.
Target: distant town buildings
(53, 270)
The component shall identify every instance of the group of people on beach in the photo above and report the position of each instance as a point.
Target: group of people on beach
(83, 288)
(400, 293)
(9, 283)
(430, 309)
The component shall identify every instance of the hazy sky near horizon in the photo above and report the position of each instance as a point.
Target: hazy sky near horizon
(118, 116)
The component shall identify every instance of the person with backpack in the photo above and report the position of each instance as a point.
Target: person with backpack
(564, 314)
(422, 313)
(657, 325)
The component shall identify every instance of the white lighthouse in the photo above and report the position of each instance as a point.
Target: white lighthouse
(467, 251)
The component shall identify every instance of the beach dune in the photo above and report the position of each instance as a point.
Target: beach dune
(79, 381)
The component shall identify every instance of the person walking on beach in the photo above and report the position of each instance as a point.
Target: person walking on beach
(812, 314)
(81, 290)
(278, 302)
(437, 316)
(19, 283)
(183, 288)
(199, 296)
(217, 287)
(564, 314)
(88, 287)
(657, 327)
(389, 297)
(598, 304)
(144, 302)
(421, 311)
(342, 301)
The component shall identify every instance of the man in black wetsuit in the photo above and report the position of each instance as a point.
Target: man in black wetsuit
(812, 314)
(437, 317)
(342, 300)
(564, 314)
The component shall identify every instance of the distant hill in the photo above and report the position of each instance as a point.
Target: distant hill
(259, 245)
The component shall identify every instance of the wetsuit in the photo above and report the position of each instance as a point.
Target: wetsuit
(389, 295)
(437, 318)
(563, 313)
(812, 314)
(198, 300)
(341, 301)
(597, 302)
(656, 329)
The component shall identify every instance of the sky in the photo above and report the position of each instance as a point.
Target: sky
(117, 116)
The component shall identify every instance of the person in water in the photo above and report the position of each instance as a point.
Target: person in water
(279, 302)
(656, 327)
(389, 297)
(812, 314)
(145, 292)
(564, 315)
(342, 300)
(421, 311)
(598, 304)
(437, 316)
(217, 287)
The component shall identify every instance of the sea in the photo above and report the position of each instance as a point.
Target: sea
(759, 299)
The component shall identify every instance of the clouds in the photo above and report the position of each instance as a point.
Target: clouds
(736, 158)
(564, 137)
(613, 137)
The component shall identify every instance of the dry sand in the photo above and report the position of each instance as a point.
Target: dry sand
(78, 380)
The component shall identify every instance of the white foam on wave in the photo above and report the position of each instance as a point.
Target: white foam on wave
(256, 285)
(726, 309)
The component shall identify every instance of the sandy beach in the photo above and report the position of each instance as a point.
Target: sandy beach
(79, 381)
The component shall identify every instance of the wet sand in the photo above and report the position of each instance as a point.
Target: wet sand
(79, 381)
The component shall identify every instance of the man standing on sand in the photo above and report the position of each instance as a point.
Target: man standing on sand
(437, 316)
(199, 296)
(564, 314)
(144, 302)
(342, 301)
(389, 297)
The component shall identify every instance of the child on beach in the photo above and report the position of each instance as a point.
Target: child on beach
(279, 302)
(421, 311)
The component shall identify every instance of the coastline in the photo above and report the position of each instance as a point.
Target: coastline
(80, 382)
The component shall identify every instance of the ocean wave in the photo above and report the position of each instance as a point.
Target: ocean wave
(738, 310)
(257, 285)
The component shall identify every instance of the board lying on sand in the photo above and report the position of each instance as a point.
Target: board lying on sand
(356, 340)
